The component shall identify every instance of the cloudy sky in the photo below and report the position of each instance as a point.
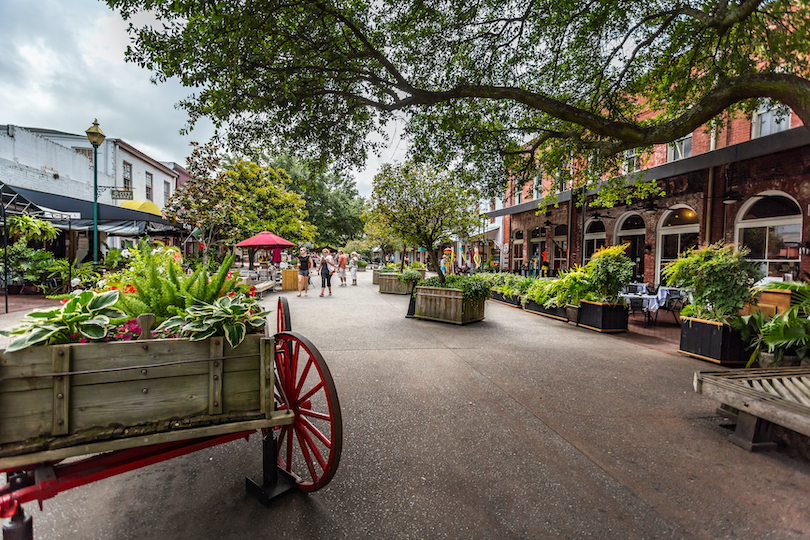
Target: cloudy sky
(61, 66)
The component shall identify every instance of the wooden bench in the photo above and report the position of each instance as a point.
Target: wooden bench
(264, 286)
(759, 398)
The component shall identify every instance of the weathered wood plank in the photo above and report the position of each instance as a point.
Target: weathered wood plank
(134, 402)
(277, 419)
(24, 415)
(61, 390)
(240, 392)
(797, 392)
(803, 384)
(216, 350)
(782, 391)
(266, 374)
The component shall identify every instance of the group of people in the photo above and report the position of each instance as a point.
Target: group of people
(325, 267)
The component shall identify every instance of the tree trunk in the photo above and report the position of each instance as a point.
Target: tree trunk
(402, 259)
(434, 258)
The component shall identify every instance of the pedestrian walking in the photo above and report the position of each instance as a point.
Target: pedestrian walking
(304, 267)
(353, 265)
(326, 268)
(341, 266)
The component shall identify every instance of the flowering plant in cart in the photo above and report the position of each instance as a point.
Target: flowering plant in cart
(87, 315)
(229, 316)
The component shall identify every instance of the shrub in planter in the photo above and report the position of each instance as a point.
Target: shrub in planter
(609, 271)
(541, 298)
(785, 336)
(459, 300)
(511, 288)
(361, 265)
(721, 280)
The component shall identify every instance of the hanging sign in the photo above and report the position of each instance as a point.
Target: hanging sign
(122, 194)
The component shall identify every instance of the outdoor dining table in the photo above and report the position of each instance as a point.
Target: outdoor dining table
(649, 304)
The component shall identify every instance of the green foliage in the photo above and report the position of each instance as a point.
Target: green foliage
(230, 316)
(388, 269)
(362, 264)
(166, 292)
(473, 288)
(786, 332)
(573, 287)
(610, 270)
(86, 315)
(64, 271)
(26, 228)
(545, 292)
(420, 206)
(26, 264)
(410, 276)
(416, 265)
(533, 82)
(721, 280)
(114, 260)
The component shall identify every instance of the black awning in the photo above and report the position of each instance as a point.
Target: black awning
(106, 212)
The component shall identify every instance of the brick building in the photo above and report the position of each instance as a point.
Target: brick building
(747, 184)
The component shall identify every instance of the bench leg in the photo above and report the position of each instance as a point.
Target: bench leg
(752, 433)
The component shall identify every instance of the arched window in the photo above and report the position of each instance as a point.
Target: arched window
(559, 259)
(594, 237)
(633, 231)
(770, 225)
(517, 251)
(679, 230)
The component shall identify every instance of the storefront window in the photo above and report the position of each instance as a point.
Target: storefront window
(772, 230)
(678, 233)
(594, 238)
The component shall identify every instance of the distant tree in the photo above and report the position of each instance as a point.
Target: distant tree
(422, 207)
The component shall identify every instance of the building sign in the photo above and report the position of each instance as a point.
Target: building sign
(122, 194)
(61, 216)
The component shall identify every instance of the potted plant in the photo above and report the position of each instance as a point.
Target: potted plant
(510, 288)
(573, 287)
(362, 265)
(609, 271)
(395, 283)
(419, 267)
(541, 298)
(721, 280)
(783, 339)
(459, 300)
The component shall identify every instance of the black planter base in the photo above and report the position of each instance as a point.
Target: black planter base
(609, 318)
(557, 313)
(712, 342)
(503, 299)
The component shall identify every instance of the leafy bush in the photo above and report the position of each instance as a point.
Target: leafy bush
(416, 265)
(229, 316)
(610, 270)
(65, 272)
(473, 288)
(388, 269)
(410, 276)
(362, 264)
(720, 278)
(573, 287)
(85, 316)
(545, 291)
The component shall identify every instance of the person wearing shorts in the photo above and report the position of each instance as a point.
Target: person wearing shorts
(353, 266)
(341, 267)
(304, 266)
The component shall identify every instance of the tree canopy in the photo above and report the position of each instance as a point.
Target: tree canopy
(488, 86)
(234, 203)
(421, 207)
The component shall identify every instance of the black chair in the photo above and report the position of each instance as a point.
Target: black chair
(672, 303)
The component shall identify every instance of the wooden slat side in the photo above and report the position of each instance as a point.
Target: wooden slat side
(25, 415)
(782, 391)
(768, 407)
(30, 361)
(240, 392)
(802, 383)
(250, 346)
(797, 392)
(277, 419)
(61, 390)
(266, 388)
(136, 402)
(215, 369)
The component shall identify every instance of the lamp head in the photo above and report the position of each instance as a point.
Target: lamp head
(95, 135)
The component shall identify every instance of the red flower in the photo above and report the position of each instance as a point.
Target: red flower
(113, 288)
(65, 301)
(252, 291)
(231, 294)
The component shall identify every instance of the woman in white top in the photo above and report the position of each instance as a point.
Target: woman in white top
(353, 266)
(326, 267)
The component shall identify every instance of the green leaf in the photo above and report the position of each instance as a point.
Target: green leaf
(171, 323)
(113, 313)
(98, 320)
(203, 335)
(92, 331)
(103, 300)
(235, 333)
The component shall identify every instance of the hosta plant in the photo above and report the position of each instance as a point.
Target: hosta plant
(229, 316)
(84, 316)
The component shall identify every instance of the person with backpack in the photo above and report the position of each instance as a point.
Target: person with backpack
(326, 268)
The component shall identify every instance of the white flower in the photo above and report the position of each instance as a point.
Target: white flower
(75, 282)
(101, 282)
(125, 253)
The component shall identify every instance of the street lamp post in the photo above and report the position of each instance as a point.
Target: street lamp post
(96, 137)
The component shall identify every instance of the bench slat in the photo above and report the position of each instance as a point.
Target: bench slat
(796, 391)
(783, 391)
(803, 383)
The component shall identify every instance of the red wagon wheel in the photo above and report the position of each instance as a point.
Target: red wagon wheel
(308, 449)
(284, 323)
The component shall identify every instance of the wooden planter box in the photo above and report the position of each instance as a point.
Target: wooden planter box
(447, 305)
(289, 279)
(391, 284)
(361, 268)
(712, 341)
(554, 313)
(166, 389)
(603, 317)
(504, 299)
(375, 277)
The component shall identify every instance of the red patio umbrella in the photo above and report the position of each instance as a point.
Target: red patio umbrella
(264, 240)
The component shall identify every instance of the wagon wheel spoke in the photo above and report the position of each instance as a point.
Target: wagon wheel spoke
(310, 448)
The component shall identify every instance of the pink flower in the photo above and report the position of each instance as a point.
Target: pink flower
(84, 340)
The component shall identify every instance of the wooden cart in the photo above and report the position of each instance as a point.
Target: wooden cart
(128, 404)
